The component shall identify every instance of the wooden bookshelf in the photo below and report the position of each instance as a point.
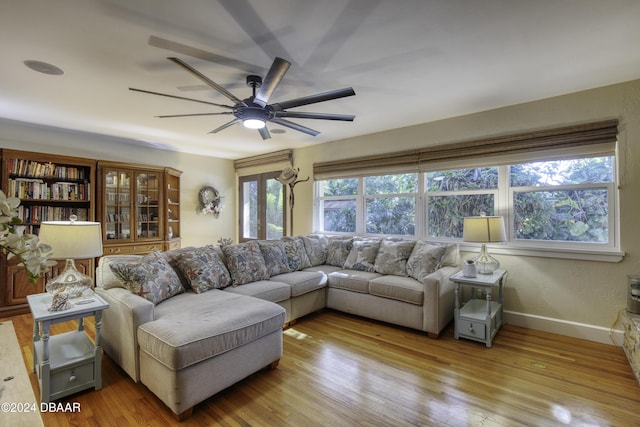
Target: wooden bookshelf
(50, 188)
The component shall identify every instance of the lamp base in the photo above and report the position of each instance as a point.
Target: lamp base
(486, 263)
(70, 280)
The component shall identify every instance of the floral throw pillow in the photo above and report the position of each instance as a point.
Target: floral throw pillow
(152, 278)
(425, 259)
(203, 269)
(296, 253)
(275, 257)
(245, 263)
(316, 247)
(392, 257)
(338, 251)
(362, 255)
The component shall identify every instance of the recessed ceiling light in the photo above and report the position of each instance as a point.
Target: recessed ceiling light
(43, 67)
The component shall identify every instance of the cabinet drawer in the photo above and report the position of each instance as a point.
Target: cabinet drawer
(77, 377)
(173, 244)
(471, 329)
(133, 249)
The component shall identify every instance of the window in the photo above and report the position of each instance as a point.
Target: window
(390, 204)
(546, 204)
(565, 200)
(383, 204)
(454, 194)
(338, 205)
(261, 207)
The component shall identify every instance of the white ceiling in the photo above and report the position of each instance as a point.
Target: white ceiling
(409, 61)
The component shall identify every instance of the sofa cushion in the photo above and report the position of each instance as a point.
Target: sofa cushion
(245, 263)
(425, 259)
(191, 328)
(152, 277)
(203, 269)
(296, 253)
(338, 251)
(316, 247)
(351, 280)
(264, 289)
(302, 282)
(451, 257)
(275, 256)
(392, 256)
(399, 288)
(105, 277)
(363, 255)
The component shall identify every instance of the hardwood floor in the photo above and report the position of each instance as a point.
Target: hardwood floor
(341, 370)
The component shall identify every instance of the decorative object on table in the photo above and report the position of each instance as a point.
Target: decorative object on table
(289, 176)
(60, 300)
(224, 241)
(469, 268)
(72, 240)
(484, 229)
(209, 201)
(30, 251)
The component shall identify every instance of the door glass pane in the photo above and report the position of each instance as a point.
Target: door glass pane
(250, 209)
(275, 209)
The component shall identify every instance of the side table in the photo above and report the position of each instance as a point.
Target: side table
(69, 362)
(478, 319)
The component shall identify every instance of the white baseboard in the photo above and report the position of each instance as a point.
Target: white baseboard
(563, 327)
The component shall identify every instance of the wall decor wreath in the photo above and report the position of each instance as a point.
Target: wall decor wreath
(210, 201)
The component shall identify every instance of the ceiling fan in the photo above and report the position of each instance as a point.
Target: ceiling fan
(254, 112)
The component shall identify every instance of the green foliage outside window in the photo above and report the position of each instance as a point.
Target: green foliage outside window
(559, 200)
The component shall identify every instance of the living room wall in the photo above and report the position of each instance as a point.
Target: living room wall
(570, 297)
(197, 230)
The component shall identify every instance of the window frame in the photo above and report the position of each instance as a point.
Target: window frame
(503, 205)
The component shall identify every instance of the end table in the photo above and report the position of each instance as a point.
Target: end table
(479, 319)
(69, 362)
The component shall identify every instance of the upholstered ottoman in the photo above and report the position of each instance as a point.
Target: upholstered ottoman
(201, 344)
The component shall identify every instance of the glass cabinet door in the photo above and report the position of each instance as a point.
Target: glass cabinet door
(147, 195)
(117, 221)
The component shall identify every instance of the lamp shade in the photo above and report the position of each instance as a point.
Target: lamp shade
(484, 229)
(72, 240)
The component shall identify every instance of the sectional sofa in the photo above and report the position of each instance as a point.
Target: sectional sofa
(190, 322)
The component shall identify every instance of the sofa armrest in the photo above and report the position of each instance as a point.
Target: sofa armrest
(119, 335)
(439, 299)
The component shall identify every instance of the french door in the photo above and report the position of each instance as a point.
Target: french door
(262, 207)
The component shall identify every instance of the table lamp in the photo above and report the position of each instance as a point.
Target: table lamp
(71, 240)
(484, 229)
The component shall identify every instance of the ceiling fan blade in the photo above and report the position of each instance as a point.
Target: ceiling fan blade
(271, 81)
(179, 97)
(295, 126)
(194, 114)
(264, 133)
(312, 99)
(226, 125)
(322, 116)
(205, 79)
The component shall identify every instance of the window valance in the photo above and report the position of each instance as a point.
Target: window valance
(601, 135)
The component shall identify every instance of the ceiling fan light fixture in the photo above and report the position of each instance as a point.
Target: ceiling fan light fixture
(254, 123)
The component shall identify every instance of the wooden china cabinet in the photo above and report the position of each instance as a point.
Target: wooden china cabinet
(50, 188)
(139, 208)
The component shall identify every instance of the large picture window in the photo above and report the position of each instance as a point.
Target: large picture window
(553, 203)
